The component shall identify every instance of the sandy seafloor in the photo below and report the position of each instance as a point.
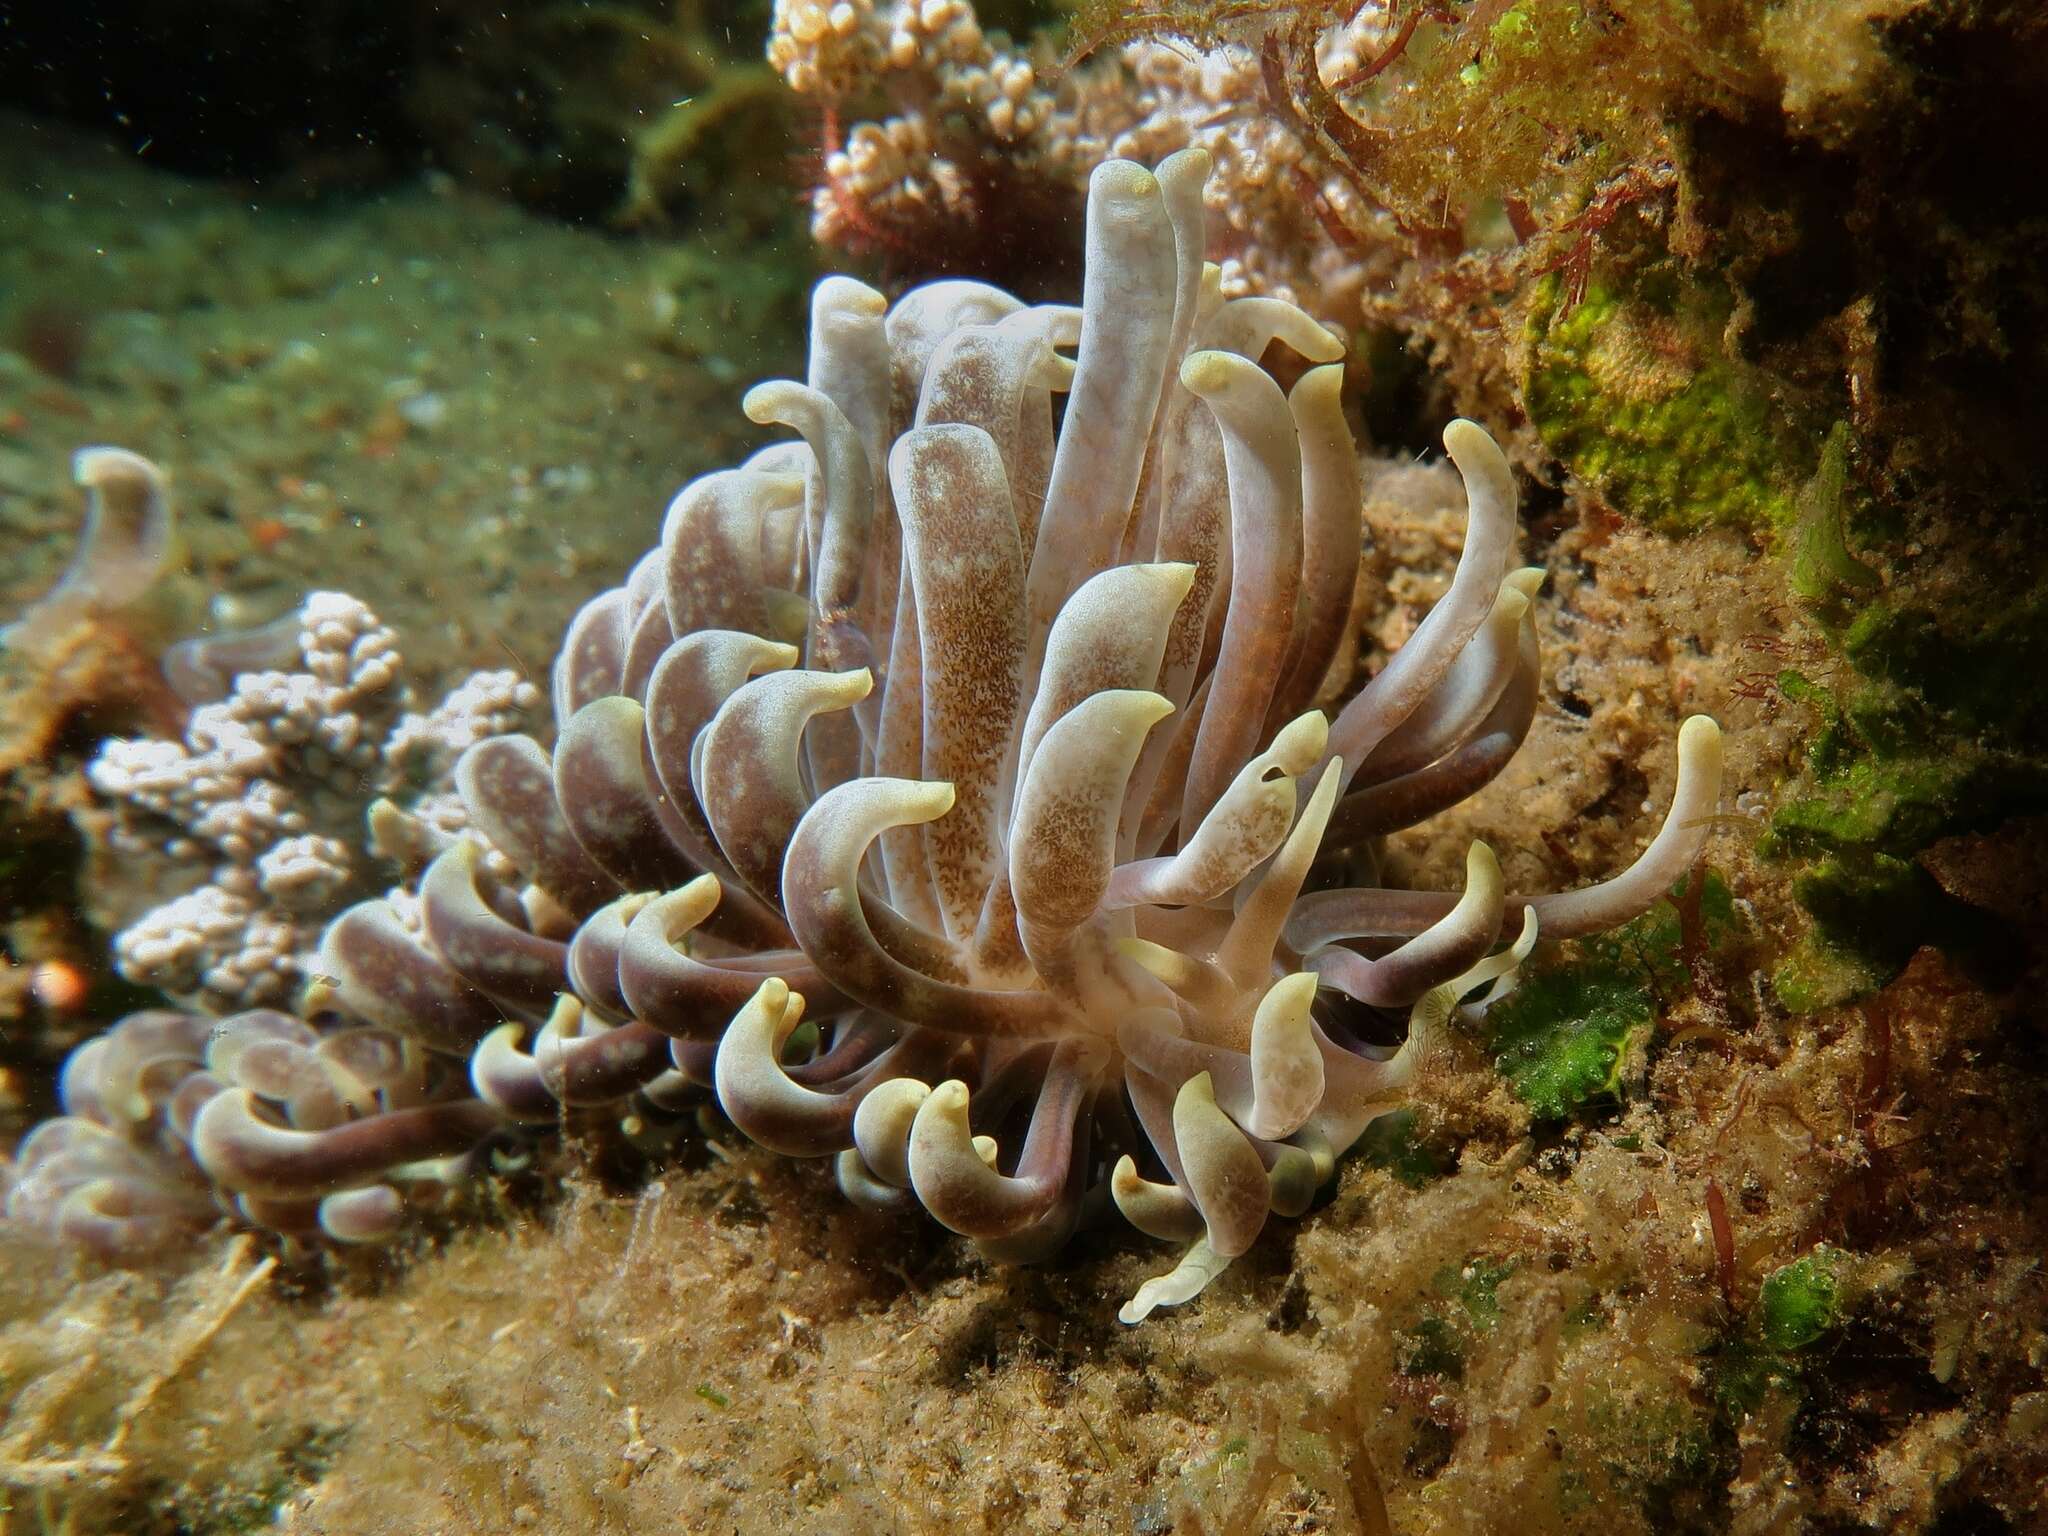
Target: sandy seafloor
(473, 419)
(468, 417)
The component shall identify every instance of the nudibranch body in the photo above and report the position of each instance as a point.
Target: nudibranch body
(951, 790)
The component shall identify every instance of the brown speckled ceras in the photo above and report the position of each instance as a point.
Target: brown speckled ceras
(980, 731)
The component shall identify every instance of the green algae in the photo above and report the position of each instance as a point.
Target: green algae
(1741, 1374)
(1564, 1038)
(1931, 724)
(1798, 1305)
(1878, 781)
(1969, 665)
(1465, 1304)
(1822, 565)
(1800, 1301)
(1869, 914)
(1394, 1143)
(1513, 31)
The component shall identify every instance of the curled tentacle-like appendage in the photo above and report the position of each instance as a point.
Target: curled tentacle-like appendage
(968, 1191)
(942, 791)
(245, 1150)
(575, 1060)
(1442, 950)
(88, 1185)
(330, 1130)
(759, 1093)
(388, 975)
(122, 546)
(174, 1121)
(1325, 917)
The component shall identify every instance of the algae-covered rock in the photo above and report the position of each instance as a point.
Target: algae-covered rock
(1635, 399)
(1933, 731)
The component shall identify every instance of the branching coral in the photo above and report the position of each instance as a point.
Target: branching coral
(938, 135)
(973, 142)
(988, 746)
(973, 138)
(1284, 223)
(263, 800)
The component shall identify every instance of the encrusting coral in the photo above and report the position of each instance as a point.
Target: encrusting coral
(888, 751)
